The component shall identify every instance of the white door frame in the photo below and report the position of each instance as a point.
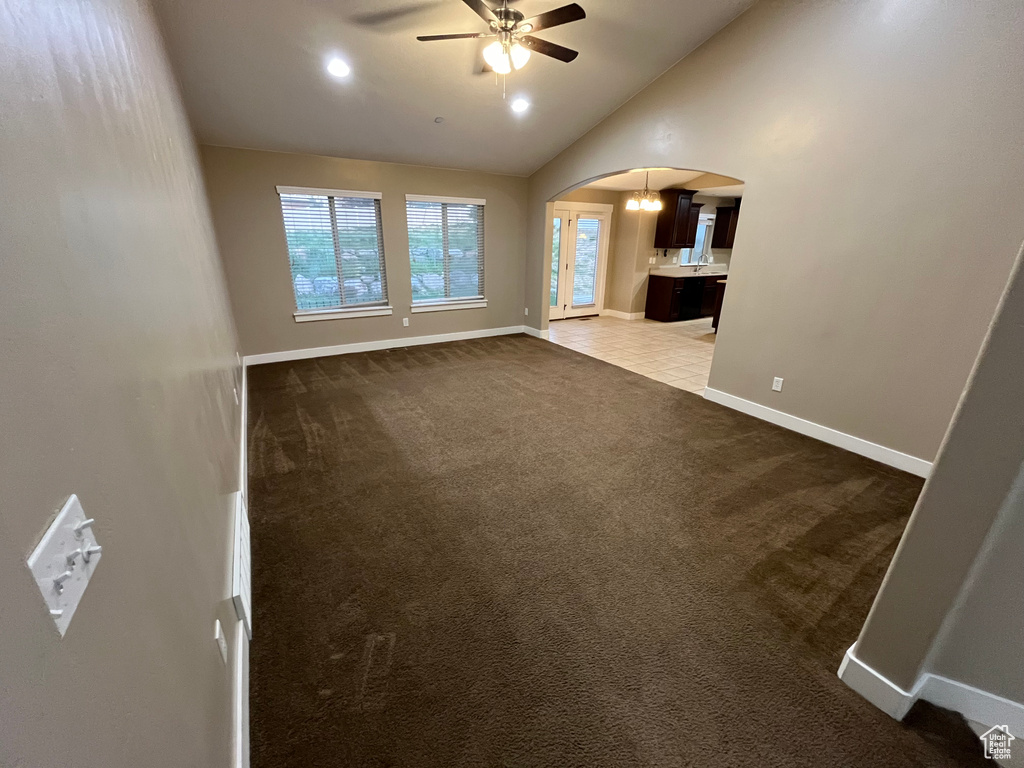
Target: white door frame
(570, 213)
(561, 215)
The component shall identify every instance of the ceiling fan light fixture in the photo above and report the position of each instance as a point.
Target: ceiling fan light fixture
(498, 58)
(512, 50)
(520, 55)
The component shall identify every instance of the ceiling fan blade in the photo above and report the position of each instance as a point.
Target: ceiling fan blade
(394, 17)
(463, 36)
(481, 10)
(562, 15)
(553, 50)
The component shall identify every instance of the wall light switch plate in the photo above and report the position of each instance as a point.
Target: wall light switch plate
(777, 384)
(64, 561)
(222, 642)
(526, 311)
(405, 321)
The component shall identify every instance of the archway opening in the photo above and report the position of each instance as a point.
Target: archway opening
(652, 245)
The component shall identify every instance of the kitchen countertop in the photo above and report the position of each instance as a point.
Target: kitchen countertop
(685, 272)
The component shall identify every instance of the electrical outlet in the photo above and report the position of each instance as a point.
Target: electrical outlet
(777, 385)
(405, 321)
(526, 311)
(675, 259)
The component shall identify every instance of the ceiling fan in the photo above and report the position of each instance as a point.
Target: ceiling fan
(513, 41)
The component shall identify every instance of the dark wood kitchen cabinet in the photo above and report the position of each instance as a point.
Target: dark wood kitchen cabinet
(681, 298)
(724, 233)
(677, 221)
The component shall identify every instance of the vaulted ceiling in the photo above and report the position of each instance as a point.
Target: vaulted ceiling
(253, 75)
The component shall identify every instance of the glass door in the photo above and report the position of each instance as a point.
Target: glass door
(586, 232)
(579, 252)
(559, 227)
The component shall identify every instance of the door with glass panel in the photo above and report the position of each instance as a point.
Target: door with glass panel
(579, 253)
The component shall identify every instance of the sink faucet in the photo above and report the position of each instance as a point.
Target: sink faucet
(700, 263)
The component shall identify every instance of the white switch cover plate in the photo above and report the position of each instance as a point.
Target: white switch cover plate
(405, 321)
(64, 561)
(777, 384)
(222, 643)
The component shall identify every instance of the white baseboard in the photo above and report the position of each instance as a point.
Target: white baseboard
(858, 445)
(880, 691)
(622, 315)
(240, 670)
(973, 703)
(371, 346)
(534, 332)
(243, 449)
(240, 725)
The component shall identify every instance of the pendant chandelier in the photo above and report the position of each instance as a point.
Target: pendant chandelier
(647, 200)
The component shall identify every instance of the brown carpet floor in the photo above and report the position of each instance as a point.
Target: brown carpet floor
(504, 553)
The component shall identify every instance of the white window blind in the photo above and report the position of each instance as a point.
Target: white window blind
(446, 248)
(335, 248)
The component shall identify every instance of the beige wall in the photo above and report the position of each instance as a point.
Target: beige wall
(631, 250)
(118, 365)
(959, 570)
(585, 195)
(247, 216)
(913, 110)
(983, 641)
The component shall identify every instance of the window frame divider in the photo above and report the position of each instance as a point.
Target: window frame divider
(332, 203)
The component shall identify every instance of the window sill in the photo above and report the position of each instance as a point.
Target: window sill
(341, 314)
(443, 306)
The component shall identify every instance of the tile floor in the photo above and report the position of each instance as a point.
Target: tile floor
(674, 353)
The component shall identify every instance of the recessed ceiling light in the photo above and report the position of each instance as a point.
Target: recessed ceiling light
(339, 68)
(520, 105)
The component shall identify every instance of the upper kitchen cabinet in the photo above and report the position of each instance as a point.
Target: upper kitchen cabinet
(677, 220)
(725, 226)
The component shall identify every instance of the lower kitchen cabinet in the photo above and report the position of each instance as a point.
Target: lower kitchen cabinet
(681, 298)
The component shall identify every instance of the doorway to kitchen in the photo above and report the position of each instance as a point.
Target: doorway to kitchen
(579, 259)
(648, 250)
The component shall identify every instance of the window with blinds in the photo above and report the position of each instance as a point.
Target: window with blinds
(335, 248)
(446, 248)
